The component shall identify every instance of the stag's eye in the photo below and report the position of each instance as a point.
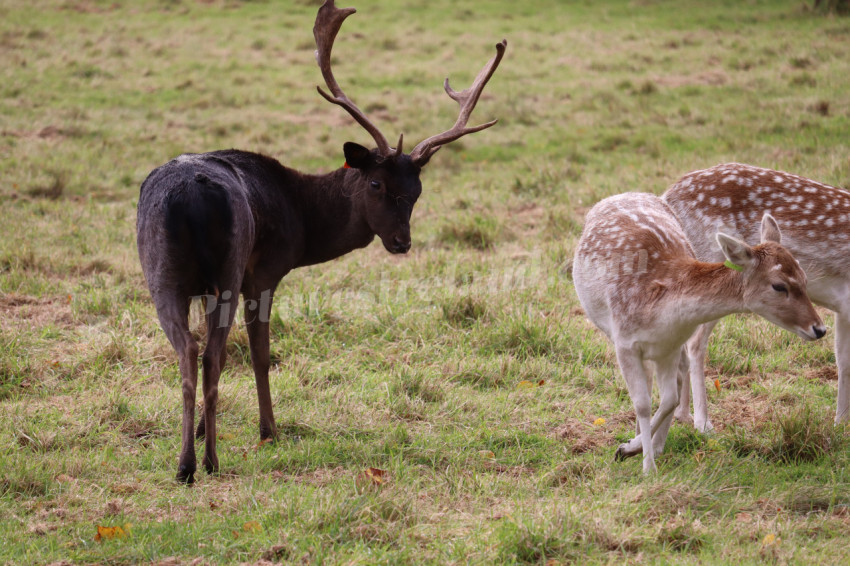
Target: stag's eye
(375, 185)
(780, 288)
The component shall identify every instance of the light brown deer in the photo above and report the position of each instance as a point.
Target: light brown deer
(815, 220)
(637, 279)
(218, 224)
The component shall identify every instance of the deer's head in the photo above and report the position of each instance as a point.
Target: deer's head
(774, 283)
(386, 180)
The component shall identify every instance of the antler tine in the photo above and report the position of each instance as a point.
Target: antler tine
(328, 22)
(467, 99)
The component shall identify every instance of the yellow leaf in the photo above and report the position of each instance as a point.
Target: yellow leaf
(525, 384)
(108, 533)
(717, 385)
(598, 422)
(226, 436)
(252, 527)
(487, 454)
(770, 539)
(370, 477)
(263, 443)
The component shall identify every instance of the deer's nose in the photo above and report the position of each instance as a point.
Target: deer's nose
(819, 330)
(401, 245)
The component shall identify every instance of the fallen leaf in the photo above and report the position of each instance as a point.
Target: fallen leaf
(770, 539)
(263, 443)
(252, 527)
(599, 422)
(108, 533)
(525, 384)
(487, 454)
(64, 478)
(717, 385)
(226, 436)
(541, 382)
(370, 477)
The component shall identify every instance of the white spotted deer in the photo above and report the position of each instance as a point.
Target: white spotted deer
(638, 281)
(218, 224)
(815, 221)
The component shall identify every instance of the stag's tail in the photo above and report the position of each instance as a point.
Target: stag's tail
(199, 223)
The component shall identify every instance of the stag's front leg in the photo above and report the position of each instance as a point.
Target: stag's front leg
(257, 314)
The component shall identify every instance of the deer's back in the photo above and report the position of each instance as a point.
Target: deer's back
(629, 244)
(732, 198)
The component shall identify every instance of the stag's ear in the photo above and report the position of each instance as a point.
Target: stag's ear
(357, 156)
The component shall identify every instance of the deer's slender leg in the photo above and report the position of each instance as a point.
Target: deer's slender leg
(667, 375)
(842, 357)
(173, 312)
(667, 371)
(635, 375)
(697, 348)
(683, 382)
(258, 303)
(219, 322)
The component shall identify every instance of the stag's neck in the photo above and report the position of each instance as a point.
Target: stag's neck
(334, 224)
(709, 291)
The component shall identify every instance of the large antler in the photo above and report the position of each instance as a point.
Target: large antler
(328, 21)
(467, 100)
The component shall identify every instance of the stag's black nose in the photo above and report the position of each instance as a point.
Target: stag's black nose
(820, 331)
(401, 245)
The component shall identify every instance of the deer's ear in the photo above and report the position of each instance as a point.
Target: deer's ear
(356, 156)
(735, 250)
(770, 230)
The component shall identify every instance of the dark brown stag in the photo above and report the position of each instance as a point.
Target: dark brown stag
(218, 224)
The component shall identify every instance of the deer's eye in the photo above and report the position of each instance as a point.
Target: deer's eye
(780, 288)
(375, 185)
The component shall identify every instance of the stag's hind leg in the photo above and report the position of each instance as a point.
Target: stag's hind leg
(173, 312)
(219, 321)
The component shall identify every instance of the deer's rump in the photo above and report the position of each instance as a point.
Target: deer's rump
(193, 213)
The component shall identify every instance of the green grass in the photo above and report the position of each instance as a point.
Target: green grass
(406, 364)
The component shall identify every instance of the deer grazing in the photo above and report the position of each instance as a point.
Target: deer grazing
(637, 279)
(228, 222)
(814, 218)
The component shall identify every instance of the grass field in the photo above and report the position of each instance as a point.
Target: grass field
(464, 374)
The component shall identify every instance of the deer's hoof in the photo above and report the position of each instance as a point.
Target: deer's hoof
(186, 474)
(211, 466)
(620, 454)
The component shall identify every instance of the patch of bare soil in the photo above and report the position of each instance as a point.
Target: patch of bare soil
(585, 436)
(823, 374)
(746, 410)
(34, 312)
(704, 78)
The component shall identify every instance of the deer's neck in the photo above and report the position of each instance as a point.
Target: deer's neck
(334, 224)
(709, 291)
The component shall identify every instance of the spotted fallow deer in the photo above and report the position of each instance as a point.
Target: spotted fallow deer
(815, 220)
(228, 222)
(637, 279)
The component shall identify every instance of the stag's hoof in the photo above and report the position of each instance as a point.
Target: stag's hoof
(186, 474)
(211, 466)
(200, 431)
(620, 454)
